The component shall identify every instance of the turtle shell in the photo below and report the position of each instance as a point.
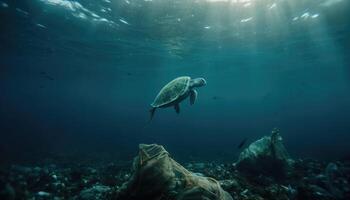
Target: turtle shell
(172, 91)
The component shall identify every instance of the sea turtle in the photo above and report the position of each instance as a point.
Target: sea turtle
(176, 91)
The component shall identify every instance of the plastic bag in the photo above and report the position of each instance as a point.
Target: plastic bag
(157, 176)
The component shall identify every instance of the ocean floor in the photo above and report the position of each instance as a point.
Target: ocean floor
(50, 180)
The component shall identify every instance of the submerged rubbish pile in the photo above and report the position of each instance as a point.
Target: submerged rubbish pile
(266, 156)
(155, 175)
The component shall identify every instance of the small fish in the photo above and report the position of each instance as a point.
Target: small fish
(40, 25)
(45, 75)
(5, 5)
(242, 143)
(124, 22)
(22, 11)
(49, 77)
(215, 97)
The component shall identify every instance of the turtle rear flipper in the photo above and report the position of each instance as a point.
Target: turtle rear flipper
(177, 108)
(152, 111)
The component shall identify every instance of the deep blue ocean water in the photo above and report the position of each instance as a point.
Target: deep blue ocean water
(77, 77)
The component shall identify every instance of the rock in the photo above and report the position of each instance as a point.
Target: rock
(266, 156)
(331, 173)
(96, 192)
(198, 166)
(43, 194)
(319, 192)
(229, 185)
(54, 176)
(290, 191)
(8, 192)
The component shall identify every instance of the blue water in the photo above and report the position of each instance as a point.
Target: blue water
(77, 77)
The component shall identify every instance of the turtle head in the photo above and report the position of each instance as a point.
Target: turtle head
(198, 82)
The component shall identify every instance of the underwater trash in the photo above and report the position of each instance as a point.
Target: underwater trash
(291, 192)
(266, 156)
(104, 180)
(7, 192)
(331, 172)
(95, 192)
(176, 91)
(157, 176)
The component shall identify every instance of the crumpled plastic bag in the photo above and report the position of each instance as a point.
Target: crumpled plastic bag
(157, 176)
(266, 156)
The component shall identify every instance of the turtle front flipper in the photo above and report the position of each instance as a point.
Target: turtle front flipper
(193, 96)
(177, 108)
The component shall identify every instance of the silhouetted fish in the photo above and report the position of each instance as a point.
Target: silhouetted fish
(242, 143)
(49, 77)
(45, 75)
